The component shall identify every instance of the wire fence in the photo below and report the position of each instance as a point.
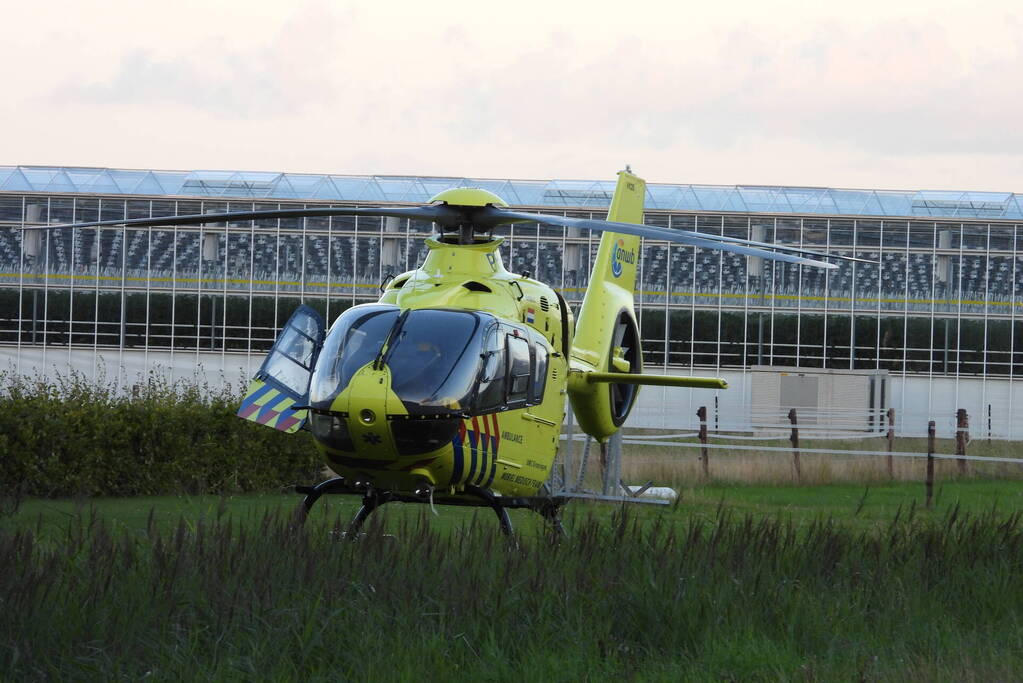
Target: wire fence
(820, 451)
(745, 441)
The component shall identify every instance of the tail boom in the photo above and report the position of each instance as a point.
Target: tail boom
(651, 380)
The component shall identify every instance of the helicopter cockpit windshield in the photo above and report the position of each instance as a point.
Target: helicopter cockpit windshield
(434, 355)
(354, 340)
(434, 358)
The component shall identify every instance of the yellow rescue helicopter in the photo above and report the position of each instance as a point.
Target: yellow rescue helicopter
(451, 388)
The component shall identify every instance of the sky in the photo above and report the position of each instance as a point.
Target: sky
(868, 94)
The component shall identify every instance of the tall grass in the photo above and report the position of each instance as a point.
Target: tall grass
(729, 598)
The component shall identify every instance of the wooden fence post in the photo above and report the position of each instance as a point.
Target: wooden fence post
(794, 438)
(701, 413)
(930, 463)
(962, 436)
(891, 442)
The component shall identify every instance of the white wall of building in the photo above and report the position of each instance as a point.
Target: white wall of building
(916, 399)
(125, 368)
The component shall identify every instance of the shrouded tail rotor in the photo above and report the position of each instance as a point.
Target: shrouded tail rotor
(626, 357)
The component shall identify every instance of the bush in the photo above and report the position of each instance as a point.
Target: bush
(78, 437)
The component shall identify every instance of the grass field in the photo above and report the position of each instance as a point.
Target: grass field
(855, 506)
(754, 582)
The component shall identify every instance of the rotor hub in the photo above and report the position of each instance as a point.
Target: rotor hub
(467, 196)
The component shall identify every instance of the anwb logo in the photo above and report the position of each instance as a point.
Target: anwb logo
(620, 255)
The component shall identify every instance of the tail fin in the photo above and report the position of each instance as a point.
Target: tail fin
(607, 338)
(606, 334)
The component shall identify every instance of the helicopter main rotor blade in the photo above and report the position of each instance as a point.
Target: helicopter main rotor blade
(438, 213)
(694, 239)
(486, 217)
(623, 227)
(784, 247)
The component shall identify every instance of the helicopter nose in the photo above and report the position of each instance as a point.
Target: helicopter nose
(370, 415)
(331, 429)
(370, 401)
(356, 422)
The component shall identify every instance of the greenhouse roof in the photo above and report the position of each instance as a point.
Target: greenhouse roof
(540, 193)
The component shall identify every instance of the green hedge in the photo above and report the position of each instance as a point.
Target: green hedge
(78, 437)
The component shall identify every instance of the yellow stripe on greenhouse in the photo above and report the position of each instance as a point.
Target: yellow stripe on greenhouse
(577, 290)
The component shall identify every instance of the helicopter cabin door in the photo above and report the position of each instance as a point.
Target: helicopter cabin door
(283, 379)
(528, 428)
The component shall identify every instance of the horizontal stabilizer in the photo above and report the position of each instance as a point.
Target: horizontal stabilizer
(656, 380)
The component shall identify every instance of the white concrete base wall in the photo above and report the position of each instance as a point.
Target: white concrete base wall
(916, 399)
(125, 368)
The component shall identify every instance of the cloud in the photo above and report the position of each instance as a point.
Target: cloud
(290, 72)
(915, 95)
(893, 88)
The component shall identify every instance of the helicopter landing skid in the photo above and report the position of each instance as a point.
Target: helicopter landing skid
(547, 506)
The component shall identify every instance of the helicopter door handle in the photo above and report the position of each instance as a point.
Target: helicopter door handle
(518, 287)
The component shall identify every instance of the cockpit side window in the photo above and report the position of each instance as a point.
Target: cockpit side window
(519, 369)
(490, 394)
(539, 373)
